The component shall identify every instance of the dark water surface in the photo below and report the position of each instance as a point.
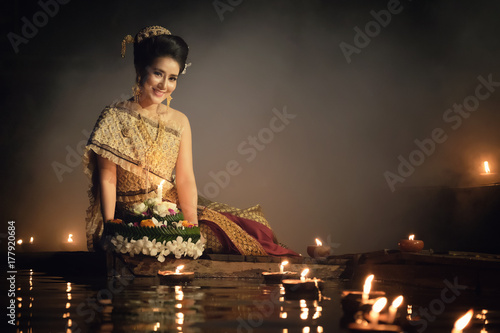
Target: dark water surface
(47, 303)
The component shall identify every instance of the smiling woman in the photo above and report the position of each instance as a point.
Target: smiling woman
(141, 143)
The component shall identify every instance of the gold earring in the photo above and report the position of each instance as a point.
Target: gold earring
(169, 98)
(136, 90)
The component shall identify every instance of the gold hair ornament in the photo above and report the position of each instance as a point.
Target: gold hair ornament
(148, 32)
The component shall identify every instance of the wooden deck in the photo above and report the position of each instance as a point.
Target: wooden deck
(478, 271)
(224, 266)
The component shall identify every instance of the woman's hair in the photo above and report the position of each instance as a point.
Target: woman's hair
(148, 49)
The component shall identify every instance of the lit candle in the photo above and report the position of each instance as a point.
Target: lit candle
(19, 242)
(376, 308)
(318, 250)
(70, 238)
(159, 192)
(277, 277)
(171, 277)
(486, 167)
(366, 288)
(462, 322)
(303, 274)
(31, 240)
(304, 287)
(411, 244)
(283, 263)
(394, 308)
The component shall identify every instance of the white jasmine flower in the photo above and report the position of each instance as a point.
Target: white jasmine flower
(139, 208)
(161, 209)
(156, 222)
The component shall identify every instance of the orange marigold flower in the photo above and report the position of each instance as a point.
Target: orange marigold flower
(185, 223)
(118, 221)
(147, 223)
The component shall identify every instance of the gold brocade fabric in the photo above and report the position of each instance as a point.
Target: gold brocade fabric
(145, 152)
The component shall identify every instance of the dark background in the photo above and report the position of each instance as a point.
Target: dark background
(323, 174)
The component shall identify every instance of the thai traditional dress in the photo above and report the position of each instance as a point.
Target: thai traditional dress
(145, 153)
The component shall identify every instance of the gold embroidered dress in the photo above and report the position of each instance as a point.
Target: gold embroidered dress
(145, 152)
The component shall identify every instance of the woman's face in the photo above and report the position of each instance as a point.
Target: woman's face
(160, 82)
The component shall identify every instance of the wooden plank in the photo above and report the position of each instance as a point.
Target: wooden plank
(203, 268)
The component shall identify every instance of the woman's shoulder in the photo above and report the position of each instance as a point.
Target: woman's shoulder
(178, 117)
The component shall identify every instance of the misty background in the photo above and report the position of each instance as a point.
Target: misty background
(322, 174)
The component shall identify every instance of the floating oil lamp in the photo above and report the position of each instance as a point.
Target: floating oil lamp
(393, 309)
(487, 176)
(353, 300)
(374, 314)
(319, 250)
(69, 243)
(303, 285)
(171, 277)
(277, 277)
(411, 244)
(487, 170)
(462, 322)
(370, 323)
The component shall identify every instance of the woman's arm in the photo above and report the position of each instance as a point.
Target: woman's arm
(184, 177)
(107, 179)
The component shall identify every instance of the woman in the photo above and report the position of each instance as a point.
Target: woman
(137, 144)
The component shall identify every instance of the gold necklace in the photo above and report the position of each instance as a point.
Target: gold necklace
(150, 144)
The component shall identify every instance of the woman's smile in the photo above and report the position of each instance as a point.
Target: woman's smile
(160, 82)
(159, 92)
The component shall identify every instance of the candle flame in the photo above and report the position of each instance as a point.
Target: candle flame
(464, 320)
(368, 284)
(70, 238)
(397, 301)
(31, 240)
(20, 241)
(318, 242)
(411, 237)
(379, 304)
(178, 269)
(486, 167)
(283, 263)
(304, 272)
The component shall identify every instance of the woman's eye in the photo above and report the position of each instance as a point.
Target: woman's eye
(158, 74)
(173, 79)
